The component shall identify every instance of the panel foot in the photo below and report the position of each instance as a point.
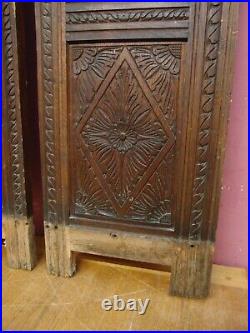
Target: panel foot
(60, 260)
(191, 270)
(20, 243)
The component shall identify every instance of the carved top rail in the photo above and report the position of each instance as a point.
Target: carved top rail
(117, 21)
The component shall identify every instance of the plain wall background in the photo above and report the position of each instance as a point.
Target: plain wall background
(232, 233)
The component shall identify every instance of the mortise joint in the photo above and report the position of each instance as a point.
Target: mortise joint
(113, 235)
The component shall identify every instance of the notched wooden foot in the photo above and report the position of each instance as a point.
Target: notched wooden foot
(191, 270)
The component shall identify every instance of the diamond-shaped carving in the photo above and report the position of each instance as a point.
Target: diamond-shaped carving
(124, 133)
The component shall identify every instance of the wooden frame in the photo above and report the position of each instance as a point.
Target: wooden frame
(208, 31)
(17, 221)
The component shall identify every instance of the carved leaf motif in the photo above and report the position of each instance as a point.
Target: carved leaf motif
(160, 65)
(98, 60)
(123, 134)
(156, 58)
(90, 199)
(48, 91)
(153, 205)
(128, 16)
(207, 104)
(14, 133)
(91, 66)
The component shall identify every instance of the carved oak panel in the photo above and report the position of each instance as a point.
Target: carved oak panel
(123, 131)
(133, 105)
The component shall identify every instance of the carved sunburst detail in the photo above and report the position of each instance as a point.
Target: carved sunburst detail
(123, 136)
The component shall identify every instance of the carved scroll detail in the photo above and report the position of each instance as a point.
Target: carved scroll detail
(14, 131)
(207, 105)
(48, 98)
(128, 16)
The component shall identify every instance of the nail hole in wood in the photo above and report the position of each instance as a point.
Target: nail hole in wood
(113, 235)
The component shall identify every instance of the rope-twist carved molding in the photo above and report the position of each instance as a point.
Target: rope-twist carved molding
(48, 98)
(206, 113)
(128, 16)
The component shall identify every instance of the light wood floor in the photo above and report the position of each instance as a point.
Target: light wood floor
(38, 301)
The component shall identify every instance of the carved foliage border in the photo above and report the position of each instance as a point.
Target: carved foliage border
(205, 118)
(49, 122)
(14, 130)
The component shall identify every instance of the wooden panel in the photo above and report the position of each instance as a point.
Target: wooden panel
(132, 130)
(123, 131)
(18, 224)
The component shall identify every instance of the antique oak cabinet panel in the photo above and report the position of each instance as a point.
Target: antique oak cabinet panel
(16, 214)
(133, 103)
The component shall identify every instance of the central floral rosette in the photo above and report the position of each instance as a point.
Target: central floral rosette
(122, 137)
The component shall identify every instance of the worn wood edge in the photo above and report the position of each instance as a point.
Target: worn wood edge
(191, 270)
(230, 33)
(20, 242)
(123, 244)
(3, 228)
(191, 263)
(49, 27)
(197, 40)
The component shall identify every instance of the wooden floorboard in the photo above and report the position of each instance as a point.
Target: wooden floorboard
(38, 301)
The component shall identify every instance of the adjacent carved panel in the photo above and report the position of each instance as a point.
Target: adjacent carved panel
(206, 113)
(15, 142)
(123, 121)
(49, 112)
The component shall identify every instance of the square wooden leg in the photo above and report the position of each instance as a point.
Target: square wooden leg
(60, 259)
(20, 243)
(191, 270)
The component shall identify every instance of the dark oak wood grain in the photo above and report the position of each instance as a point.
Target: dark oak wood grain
(133, 103)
